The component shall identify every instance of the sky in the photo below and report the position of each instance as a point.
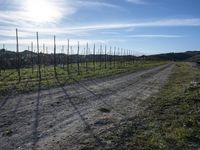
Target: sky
(142, 26)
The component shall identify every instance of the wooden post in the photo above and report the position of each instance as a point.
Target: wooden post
(46, 56)
(110, 59)
(105, 59)
(18, 57)
(43, 56)
(78, 59)
(133, 57)
(27, 57)
(62, 57)
(118, 57)
(38, 51)
(94, 49)
(114, 56)
(55, 63)
(68, 57)
(84, 53)
(100, 57)
(124, 57)
(71, 60)
(86, 58)
(32, 56)
(121, 57)
(127, 57)
(1, 61)
(3, 58)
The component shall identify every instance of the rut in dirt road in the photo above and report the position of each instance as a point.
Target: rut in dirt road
(67, 116)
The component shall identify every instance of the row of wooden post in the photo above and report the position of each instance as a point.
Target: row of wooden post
(93, 61)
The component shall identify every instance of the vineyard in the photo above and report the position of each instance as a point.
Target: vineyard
(22, 71)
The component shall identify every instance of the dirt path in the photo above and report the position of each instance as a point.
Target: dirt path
(70, 116)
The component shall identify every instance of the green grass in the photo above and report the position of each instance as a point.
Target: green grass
(171, 121)
(29, 79)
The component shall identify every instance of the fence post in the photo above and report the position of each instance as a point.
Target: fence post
(133, 58)
(62, 57)
(121, 57)
(32, 56)
(27, 57)
(71, 58)
(86, 58)
(1, 62)
(18, 57)
(43, 56)
(105, 57)
(110, 57)
(3, 58)
(68, 57)
(124, 57)
(38, 51)
(55, 63)
(94, 49)
(100, 57)
(114, 56)
(78, 59)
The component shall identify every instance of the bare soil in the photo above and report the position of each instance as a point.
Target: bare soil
(71, 116)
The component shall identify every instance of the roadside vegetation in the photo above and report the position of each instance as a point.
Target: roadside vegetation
(171, 120)
(9, 82)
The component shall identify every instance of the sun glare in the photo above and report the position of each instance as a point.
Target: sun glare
(41, 11)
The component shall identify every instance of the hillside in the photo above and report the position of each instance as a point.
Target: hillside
(189, 55)
(28, 58)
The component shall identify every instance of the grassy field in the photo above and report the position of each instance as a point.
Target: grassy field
(171, 121)
(29, 80)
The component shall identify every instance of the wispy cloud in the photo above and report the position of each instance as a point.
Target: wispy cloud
(155, 23)
(139, 2)
(81, 30)
(94, 4)
(155, 36)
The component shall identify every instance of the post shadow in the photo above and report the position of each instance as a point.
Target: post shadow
(36, 118)
(83, 119)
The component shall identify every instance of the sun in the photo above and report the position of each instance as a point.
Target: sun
(41, 11)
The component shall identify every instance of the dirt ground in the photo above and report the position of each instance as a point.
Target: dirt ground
(70, 116)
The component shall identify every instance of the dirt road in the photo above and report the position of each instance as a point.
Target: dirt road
(68, 117)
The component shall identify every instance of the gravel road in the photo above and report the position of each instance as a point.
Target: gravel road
(69, 116)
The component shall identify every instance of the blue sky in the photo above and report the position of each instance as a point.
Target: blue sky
(143, 26)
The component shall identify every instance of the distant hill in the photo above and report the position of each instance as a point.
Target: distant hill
(8, 59)
(184, 56)
(195, 58)
(27, 58)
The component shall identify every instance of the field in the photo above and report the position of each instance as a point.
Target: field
(9, 82)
